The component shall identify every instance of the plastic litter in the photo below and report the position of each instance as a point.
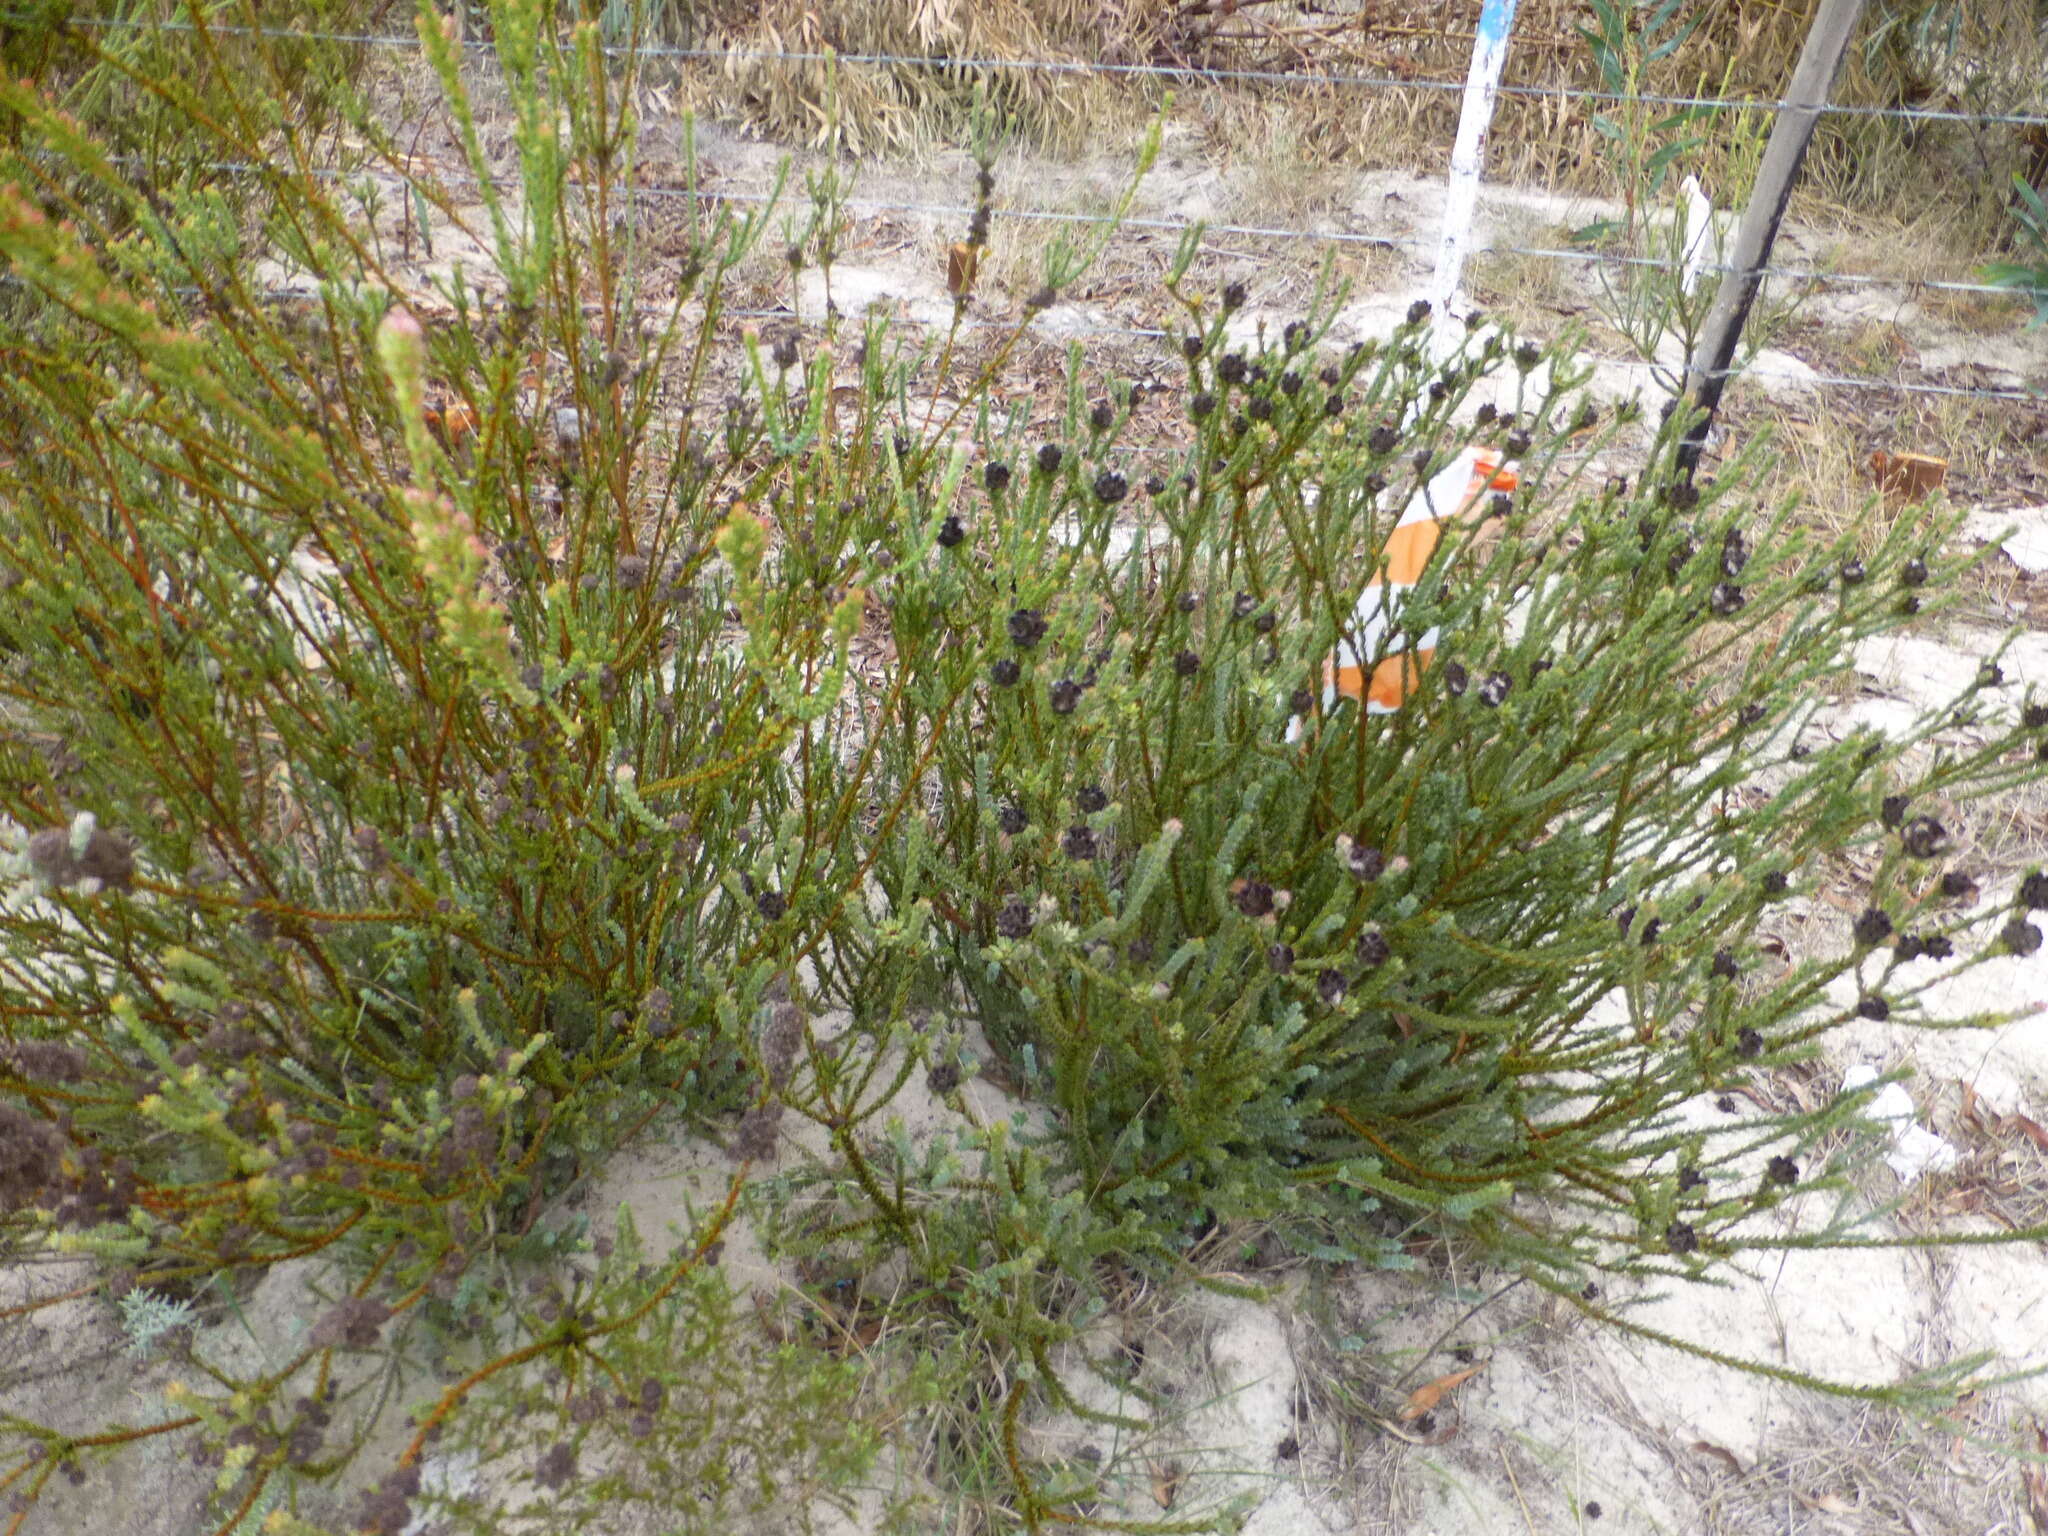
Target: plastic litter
(1915, 1151)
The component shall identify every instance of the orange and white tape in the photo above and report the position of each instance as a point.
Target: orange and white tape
(1367, 666)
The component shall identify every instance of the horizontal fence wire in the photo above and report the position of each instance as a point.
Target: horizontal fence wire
(1170, 73)
(874, 207)
(963, 211)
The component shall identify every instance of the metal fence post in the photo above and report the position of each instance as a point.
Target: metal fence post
(1707, 375)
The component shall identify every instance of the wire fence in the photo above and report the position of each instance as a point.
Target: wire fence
(877, 207)
(963, 211)
(1177, 74)
(1150, 224)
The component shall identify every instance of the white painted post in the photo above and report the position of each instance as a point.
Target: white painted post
(1468, 154)
(1696, 236)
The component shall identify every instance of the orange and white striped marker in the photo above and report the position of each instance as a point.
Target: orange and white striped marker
(1382, 686)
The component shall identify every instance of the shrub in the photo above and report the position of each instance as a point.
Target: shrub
(1272, 958)
(440, 741)
(135, 87)
(2027, 276)
(397, 833)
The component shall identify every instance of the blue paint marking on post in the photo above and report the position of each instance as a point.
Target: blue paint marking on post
(1495, 17)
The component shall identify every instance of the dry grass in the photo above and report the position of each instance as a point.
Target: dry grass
(2001, 1176)
(1948, 173)
(1902, 240)
(1854, 1469)
(899, 108)
(1278, 177)
(1523, 284)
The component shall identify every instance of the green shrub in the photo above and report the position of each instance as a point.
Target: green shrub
(136, 85)
(441, 741)
(373, 880)
(2027, 276)
(1429, 960)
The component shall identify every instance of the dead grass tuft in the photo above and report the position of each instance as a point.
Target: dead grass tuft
(1858, 1468)
(867, 108)
(2003, 1175)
